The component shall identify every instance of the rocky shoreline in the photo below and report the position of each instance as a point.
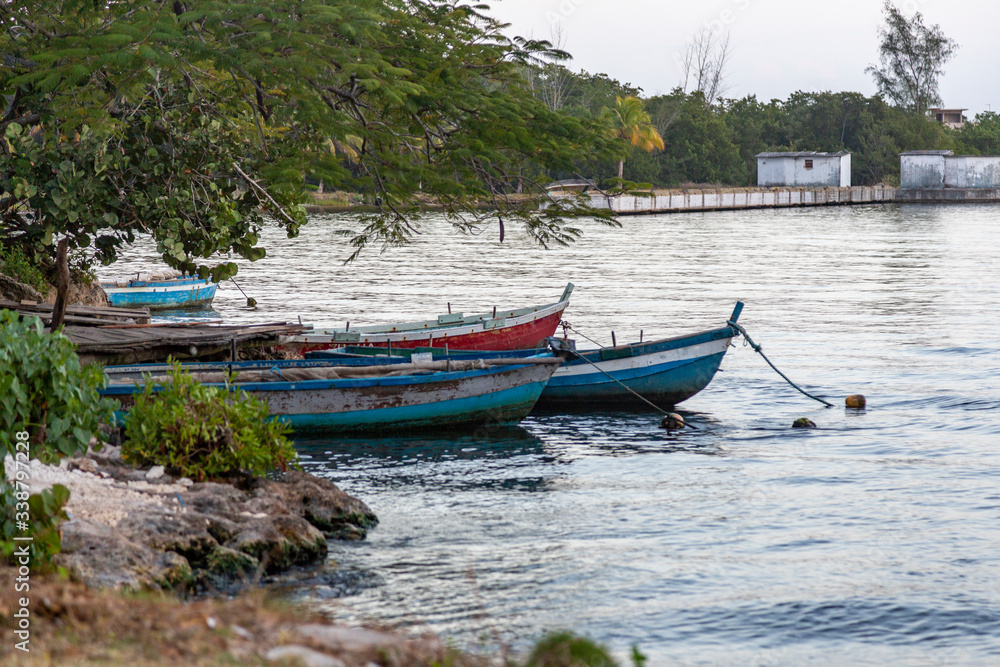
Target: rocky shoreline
(139, 529)
(136, 538)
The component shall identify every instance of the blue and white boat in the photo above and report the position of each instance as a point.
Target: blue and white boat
(664, 372)
(160, 291)
(320, 396)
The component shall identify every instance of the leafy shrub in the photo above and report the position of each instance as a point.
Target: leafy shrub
(204, 432)
(565, 649)
(15, 264)
(45, 391)
(42, 512)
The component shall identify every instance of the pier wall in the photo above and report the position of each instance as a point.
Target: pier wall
(677, 201)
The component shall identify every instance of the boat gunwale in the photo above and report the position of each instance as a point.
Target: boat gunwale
(428, 326)
(430, 377)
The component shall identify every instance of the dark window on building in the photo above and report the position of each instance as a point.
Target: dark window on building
(809, 164)
(940, 117)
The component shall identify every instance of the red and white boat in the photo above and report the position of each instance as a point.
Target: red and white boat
(519, 329)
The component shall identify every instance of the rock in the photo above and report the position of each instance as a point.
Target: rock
(155, 472)
(302, 655)
(231, 563)
(856, 401)
(106, 454)
(212, 534)
(359, 646)
(280, 542)
(340, 638)
(102, 557)
(185, 482)
(803, 422)
(319, 501)
(84, 465)
(87, 294)
(672, 422)
(185, 534)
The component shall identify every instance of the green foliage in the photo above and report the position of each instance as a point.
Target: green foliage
(630, 123)
(42, 512)
(188, 120)
(565, 649)
(982, 136)
(699, 145)
(14, 263)
(204, 432)
(45, 391)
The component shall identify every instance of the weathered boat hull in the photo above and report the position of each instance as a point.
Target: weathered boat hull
(505, 330)
(675, 372)
(491, 396)
(178, 293)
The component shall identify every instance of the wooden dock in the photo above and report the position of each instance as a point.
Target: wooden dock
(80, 315)
(111, 345)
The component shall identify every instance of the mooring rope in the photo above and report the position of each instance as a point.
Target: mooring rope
(642, 398)
(759, 350)
(251, 302)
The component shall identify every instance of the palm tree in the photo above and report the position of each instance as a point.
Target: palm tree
(629, 121)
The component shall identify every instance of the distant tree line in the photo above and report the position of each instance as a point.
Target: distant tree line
(716, 143)
(710, 139)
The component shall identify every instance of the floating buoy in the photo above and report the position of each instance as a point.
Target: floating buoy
(673, 422)
(251, 302)
(803, 422)
(857, 401)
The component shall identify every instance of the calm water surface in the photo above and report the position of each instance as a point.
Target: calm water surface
(873, 539)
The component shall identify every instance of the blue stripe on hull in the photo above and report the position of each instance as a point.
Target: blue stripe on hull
(501, 408)
(665, 384)
(197, 296)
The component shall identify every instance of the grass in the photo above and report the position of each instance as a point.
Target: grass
(74, 625)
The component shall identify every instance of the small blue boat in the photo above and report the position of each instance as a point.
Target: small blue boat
(156, 291)
(320, 396)
(665, 372)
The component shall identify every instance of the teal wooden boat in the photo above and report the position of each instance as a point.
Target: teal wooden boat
(163, 290)
(320, 396)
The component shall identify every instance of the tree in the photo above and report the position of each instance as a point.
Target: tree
(699, 145)
(981, 136)
(186, 120)
(913, 57)
(629, 121)
(703, 64)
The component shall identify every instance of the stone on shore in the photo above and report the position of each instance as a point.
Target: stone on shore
(127, 532)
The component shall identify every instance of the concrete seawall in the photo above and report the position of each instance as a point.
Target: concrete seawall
(722, 199)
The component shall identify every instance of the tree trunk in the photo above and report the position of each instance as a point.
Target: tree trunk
(62, 285)
(621, 168)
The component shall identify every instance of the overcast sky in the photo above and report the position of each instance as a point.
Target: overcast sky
(778, 46)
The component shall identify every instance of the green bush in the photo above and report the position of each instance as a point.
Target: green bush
(204, 432)
(15, 264)
(37, 516)
(565, 649)
(45, 391)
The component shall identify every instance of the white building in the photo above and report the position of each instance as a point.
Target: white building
(931, 170)
(953, 118)
(804, 169)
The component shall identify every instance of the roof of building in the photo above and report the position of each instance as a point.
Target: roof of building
(803, 154)
(928, 153)
(945, 109)
(571, 183)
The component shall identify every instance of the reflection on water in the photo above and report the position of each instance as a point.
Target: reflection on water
(872, 539)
